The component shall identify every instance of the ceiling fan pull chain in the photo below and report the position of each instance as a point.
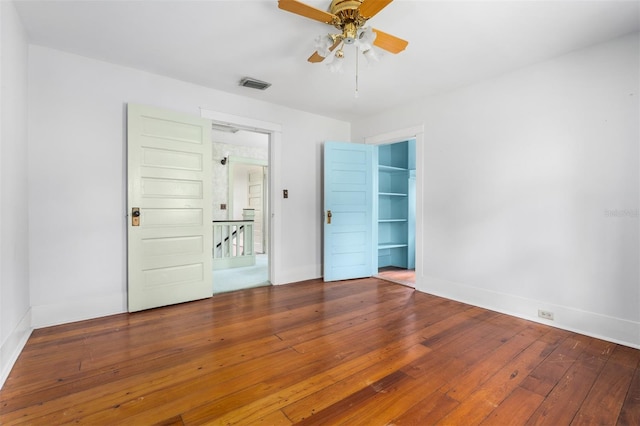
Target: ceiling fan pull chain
(357, 55)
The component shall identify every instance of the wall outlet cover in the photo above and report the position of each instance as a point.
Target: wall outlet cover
(545, 314)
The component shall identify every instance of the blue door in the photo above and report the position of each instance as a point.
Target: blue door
(349, 205)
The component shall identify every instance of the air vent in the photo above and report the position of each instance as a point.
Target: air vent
(254, 84)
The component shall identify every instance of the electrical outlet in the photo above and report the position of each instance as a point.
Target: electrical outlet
(545, 314)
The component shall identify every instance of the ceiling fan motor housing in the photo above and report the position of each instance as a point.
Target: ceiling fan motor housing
(349, 33)
(348, 18)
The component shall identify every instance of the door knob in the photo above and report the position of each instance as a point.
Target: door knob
(329, 216)
(135, 216)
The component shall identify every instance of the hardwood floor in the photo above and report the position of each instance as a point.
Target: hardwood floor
(398, 275)
(360, 352)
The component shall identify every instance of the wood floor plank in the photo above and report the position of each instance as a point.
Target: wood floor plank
(477, 374)
(626, 356)
(431, 408)
(277, 418)
(548, 373)
(388, 403)
(564, 401)
(196, 363)
(362, 351)
(155, 392)
(603, 403)
(479, 404)
(344, 386)
(630, 412)
(359, 408)
(173, 421)
(516, 409)
(357, 372)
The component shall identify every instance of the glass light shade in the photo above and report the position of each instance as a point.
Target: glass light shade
(335, 66)
(366, 38)
(371, 55)
(322, 45)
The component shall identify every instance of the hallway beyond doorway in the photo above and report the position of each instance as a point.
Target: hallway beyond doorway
(231, 279)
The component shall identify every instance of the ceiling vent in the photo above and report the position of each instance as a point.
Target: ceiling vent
(254, 84)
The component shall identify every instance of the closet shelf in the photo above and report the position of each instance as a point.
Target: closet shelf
(391, 245)
(383, 168)
(392, 194)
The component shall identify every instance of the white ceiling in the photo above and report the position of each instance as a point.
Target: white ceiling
(215, 43)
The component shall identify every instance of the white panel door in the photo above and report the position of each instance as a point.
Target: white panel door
(255, 194)
(169, 181)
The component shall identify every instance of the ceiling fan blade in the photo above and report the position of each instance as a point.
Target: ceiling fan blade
(305, 10)
(315, 58)
(369, 8)
(389, 42)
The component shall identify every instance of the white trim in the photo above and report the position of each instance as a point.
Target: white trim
(13, 346)
(243, 123)
(395, 136)
(274, 203)
(400, 135)
(250, 161)
(592, 324)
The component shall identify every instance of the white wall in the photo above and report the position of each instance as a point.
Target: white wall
(77, 178)
(531, 189)
(14, 266)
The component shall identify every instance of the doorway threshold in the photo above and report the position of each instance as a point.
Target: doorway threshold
(406, 277)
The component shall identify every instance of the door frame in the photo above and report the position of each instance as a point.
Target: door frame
(401, 135)
(233, 161)
(273, 224)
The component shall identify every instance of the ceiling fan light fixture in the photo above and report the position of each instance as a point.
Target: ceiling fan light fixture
(366, 38)
(335, 66)
(323, 44)
(371, 56)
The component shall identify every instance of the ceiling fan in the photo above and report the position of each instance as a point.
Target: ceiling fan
(349, 16)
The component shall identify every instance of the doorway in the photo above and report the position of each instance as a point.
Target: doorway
(240, 205)
(397, 211)
(399, 135)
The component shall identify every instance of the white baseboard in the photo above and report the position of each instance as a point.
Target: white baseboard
(592, 324)
(78, 310)
(294, 275)
(14, 344)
